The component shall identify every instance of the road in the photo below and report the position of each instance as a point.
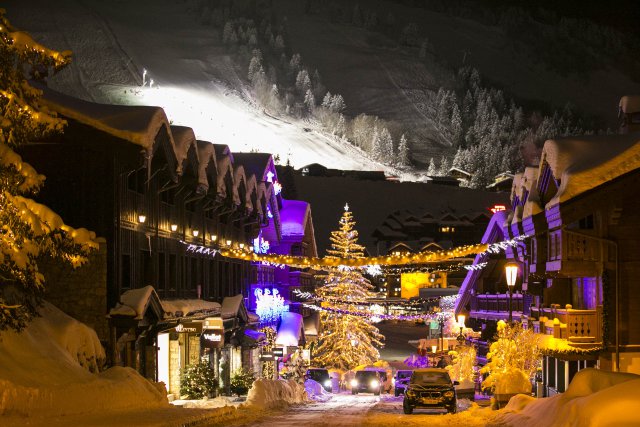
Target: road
(368, 410)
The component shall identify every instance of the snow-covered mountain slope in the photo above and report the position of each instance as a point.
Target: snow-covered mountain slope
(376, 75)
(195, 81)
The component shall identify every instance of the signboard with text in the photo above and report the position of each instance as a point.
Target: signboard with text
(212, 333)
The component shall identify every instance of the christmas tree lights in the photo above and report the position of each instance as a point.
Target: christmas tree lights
(346, 340)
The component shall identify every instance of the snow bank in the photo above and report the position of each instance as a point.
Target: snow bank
(594, 399)
(316, 392)
(45, 370)
(271, 394)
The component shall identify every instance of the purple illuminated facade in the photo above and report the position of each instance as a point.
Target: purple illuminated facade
(289, 231)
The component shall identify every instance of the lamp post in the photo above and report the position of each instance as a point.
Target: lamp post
(461, 338)
(511, 271)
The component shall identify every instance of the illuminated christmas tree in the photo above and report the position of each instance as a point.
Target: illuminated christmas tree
(28, 230)
(346, 340)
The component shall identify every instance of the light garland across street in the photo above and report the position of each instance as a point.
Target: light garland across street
(388, 260)
(380, 316)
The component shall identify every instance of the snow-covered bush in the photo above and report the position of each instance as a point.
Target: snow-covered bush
(462, 367)
(512, 360)
(198, 381)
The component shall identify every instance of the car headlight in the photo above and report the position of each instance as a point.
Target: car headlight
(375, 383)
(448, 394)
(327, 383)
(410, 393)
(354, 383)
(393, 381)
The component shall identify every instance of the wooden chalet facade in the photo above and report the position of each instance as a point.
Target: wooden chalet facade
(579, 262)
(164, 203)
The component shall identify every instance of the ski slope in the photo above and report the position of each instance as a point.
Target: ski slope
(194, 79)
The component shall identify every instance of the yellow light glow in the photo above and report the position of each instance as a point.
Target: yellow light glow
(511, 271)
(174, 227)
(195, 233)
(142, 218)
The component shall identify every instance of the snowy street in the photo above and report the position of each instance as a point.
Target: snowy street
(367, 410)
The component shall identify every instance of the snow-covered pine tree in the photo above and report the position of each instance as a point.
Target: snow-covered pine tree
(431, 170)
(386, 145)
(346, 340)
(326, 101)
(376, 145)
(309, 100)
(403, 151)
(28, 230)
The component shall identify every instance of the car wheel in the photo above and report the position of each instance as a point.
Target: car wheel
(354, 392)
(376, 393)
(453, 410)
(407, 408)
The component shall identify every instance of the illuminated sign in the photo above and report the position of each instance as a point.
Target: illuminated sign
(212, 337)
(498, 208)
(269, 305)
(181, 328)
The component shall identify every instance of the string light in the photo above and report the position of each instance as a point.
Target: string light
(379, 317)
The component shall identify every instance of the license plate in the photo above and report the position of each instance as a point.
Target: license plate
(429, 401)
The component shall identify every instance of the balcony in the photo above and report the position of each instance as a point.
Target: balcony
(573, 254)
(496, 306)
(578, 327)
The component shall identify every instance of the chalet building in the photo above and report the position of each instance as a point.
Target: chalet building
(629, 114)
(502, 182)
(405, 232)
(461, 175)
(164, 203)
(579, 261)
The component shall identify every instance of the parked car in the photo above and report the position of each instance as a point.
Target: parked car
(367, 382)
(401, 381)
(320, 375)
(430, 388)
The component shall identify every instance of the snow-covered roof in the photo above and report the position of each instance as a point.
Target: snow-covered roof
(589, 161)
(188, 306)
(630, 104)
(231, 306)
(526, 184)
(258, 164)
(293, 217)
(136, 124)
(134, 302)
(290, 330)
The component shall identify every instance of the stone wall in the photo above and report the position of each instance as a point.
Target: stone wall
(81, 293)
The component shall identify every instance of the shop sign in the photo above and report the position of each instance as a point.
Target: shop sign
(180, 327)
(278, 351)
(212, 333)
(267, 357)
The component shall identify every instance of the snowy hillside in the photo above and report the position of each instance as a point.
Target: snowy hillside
(195, 81)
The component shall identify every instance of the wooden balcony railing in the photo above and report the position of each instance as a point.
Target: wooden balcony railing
(567, 246)
(576, 326)
(496, 302)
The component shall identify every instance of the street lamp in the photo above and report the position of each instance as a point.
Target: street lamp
(511, 271)
(461, 338)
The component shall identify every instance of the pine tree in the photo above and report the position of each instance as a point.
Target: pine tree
(376, 145)
(386, 145)
(431, 170)
(28, 230)
(403, 151)
(346, 340)
(310, 100)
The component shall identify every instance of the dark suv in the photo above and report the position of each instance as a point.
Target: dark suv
(367, 382)
(321, 376)
(401, 381)
(430, 388)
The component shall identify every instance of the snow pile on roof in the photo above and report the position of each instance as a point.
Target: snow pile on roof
(137, 124)
(187, 306)
(133, 302)
(272, 394)
(560, 345)
(316, 392)
(594, 398)
(45, 371)
(231, 306)
(293, 217)
(290, 329)
(583, 164)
